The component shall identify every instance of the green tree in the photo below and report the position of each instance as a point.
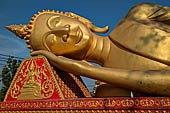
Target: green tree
(7, 74)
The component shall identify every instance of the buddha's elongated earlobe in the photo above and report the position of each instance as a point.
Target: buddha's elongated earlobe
(98, 29)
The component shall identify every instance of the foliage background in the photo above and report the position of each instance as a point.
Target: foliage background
(7, 74)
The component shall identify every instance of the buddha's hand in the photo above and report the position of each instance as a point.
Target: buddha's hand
(58, 61)
(61, 62)
(49, 55)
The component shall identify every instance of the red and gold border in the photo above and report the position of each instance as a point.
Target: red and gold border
(90, 111)
(156, 103)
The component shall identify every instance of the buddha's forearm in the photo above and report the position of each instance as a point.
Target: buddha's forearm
(155, 82)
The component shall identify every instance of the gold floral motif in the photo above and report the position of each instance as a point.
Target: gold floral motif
(147, 102)
(165, 102)
(53, 77)
(16, 89)
(47, 88)
(127, 103)
(110, 103)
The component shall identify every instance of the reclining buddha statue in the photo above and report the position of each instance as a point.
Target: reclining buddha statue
(134, 57)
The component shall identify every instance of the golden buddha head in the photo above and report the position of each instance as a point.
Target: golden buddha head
(58, 32)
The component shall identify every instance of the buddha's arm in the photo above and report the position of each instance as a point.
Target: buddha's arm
(155, 82)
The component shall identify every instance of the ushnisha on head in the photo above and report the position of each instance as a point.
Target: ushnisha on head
(58, 32)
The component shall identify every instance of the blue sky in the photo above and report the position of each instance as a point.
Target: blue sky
(100, 12)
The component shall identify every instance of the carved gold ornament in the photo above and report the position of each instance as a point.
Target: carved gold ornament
(32, 83)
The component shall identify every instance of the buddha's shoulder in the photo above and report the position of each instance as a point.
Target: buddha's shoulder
(143, 10)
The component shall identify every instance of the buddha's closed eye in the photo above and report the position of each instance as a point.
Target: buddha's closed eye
(53, 22)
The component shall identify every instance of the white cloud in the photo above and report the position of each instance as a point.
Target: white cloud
(13, 46)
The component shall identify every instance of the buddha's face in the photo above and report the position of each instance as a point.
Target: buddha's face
(60, 34)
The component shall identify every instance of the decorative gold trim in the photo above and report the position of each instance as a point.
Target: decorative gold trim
(91, 111)
(53, 77)
(48, 67)
(31, 88)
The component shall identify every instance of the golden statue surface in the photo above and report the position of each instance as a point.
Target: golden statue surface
(134, 57)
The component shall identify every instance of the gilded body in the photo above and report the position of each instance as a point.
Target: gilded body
(134, 57)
